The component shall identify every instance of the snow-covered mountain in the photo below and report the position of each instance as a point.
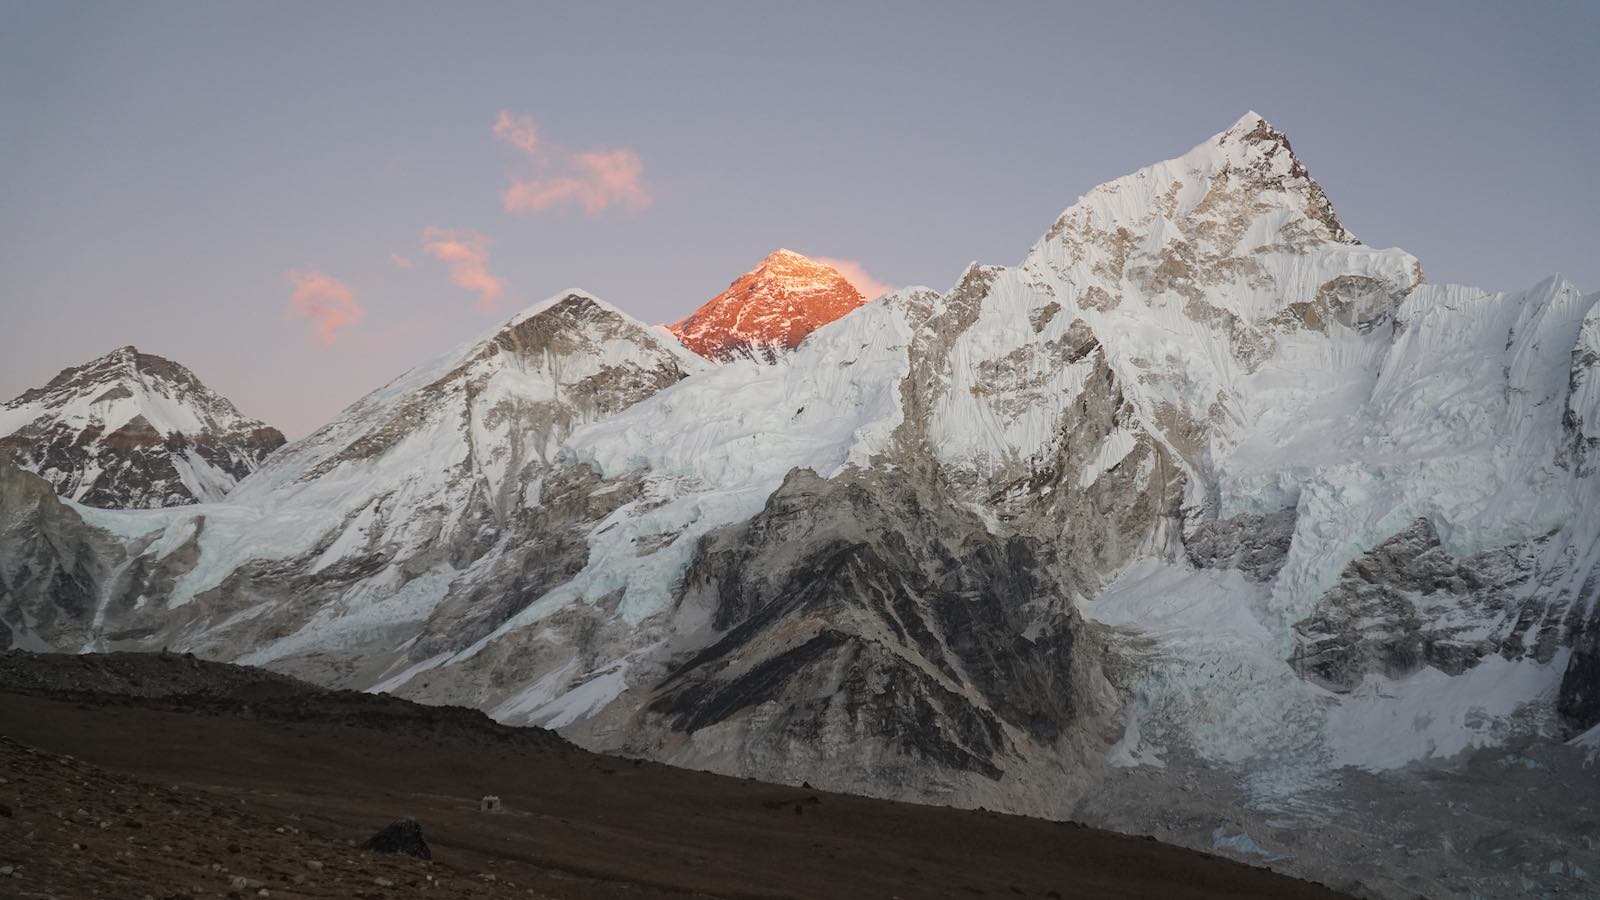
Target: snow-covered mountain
(131, 430)
(769, 310)
(1205, 520)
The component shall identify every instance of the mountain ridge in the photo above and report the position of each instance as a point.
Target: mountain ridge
(1248, 506)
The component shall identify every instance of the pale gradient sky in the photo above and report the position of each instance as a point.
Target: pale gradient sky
(173, 174)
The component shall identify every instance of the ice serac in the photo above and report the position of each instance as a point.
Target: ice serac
(769, 310)
(131, 431)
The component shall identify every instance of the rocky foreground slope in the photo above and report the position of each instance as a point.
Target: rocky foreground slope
(1204, 515)
(193, 779)
(133, 431)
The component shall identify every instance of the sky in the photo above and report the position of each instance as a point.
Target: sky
(300, 201)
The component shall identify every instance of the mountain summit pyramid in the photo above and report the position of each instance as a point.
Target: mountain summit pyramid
(769, 310)
(133, 430)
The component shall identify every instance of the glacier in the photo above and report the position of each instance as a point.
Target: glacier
(1204, 519)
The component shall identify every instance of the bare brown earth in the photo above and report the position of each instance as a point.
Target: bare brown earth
(195, 779)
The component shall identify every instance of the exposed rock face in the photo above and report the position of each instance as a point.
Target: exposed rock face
(874, 636)
(74, 578)
(769, 310)
(132, 431)
(1409, 603)
(1581, 420)
(1579, 701)
(50, 566)
(1253, 543)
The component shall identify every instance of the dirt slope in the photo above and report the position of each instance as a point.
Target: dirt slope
(179, 762)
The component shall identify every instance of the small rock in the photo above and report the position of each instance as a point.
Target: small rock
(313, 865)
(7, 871)
(382, 882)
(235, 848)
(403, 837)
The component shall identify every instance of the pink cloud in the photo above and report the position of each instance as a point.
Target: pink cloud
(598, 180)
(853, 272)
(612, 176)
(401, 262)
(328, 303)
(467, 256)
(539, 194)
(595, 180)
(519, 131)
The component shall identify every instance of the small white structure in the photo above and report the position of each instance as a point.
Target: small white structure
(489, 803)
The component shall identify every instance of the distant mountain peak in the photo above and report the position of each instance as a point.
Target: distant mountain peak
(132, 429)
(769, 310)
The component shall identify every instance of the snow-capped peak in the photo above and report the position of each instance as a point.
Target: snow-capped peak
(481, 416)
(97, 382)
(769, 310)
(1243, 181)
(132, 429)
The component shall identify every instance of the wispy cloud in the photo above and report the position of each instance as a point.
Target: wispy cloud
(596, 180)
(466, 254)
(600, 179)
(519, 131)
(853, 272)
(328, 303)
(401, 262)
